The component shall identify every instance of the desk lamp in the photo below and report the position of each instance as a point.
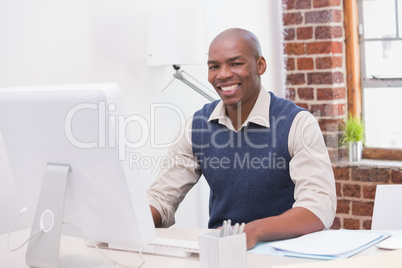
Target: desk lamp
(176, 37)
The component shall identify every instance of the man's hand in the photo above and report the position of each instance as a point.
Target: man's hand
(252, 235)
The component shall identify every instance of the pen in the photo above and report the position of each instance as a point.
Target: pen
(223, 229)
(228, 227)
(241, 228)
(236, 228)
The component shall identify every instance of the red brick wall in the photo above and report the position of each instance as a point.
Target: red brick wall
(315, 49)
(355, 188)
(316, 72)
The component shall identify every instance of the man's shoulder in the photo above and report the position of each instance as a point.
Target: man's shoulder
(207, 108)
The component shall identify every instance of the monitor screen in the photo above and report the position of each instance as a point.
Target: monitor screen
(79, 132)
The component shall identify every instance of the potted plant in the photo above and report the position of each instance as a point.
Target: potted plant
(353, 137)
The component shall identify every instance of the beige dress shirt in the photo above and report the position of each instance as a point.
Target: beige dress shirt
(310, 167)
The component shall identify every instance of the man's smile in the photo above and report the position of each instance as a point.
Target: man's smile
(229, 88)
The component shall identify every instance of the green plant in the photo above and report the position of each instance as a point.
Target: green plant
(353, 130)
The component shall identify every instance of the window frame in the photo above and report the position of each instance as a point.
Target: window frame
(356, 75)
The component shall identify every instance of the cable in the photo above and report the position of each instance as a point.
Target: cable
(11, 228)
(103, 254)
(75, 225)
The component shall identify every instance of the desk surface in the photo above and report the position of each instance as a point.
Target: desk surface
(72, 245)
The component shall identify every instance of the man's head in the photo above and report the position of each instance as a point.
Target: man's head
(235, 65)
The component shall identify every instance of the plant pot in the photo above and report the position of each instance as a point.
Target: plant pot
(355, 151)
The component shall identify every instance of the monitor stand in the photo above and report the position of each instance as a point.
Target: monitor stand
(43, 248)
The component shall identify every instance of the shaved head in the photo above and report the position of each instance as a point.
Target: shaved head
(235, 65)
(238, 34)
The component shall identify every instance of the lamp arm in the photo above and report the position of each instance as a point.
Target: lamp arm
(179, 75)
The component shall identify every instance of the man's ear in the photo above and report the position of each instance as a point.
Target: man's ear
(261, 65)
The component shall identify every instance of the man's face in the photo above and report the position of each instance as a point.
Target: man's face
(234, 71)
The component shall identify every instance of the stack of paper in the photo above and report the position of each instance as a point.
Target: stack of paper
(324, 245)
(392, 259)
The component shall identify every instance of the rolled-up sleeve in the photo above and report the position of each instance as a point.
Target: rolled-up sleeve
(311, 169)
(178, 174)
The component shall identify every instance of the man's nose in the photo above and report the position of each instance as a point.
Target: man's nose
(224, 72)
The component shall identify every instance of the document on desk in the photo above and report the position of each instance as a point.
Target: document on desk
(323, 245)
(388, 259)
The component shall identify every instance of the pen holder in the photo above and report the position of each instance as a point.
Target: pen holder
(229, 251)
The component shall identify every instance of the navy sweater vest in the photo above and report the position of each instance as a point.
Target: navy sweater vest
(247, 171)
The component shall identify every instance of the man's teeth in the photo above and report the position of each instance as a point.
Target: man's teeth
(233, 87)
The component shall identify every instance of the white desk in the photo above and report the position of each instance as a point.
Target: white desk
(71, 245)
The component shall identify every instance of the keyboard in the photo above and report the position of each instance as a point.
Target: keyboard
(167, 247)
(173, 247)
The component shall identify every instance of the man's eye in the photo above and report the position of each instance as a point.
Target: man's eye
(213, 67)
(236, 63)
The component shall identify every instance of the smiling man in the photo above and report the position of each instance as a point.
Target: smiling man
(235, 65)
(264, 158)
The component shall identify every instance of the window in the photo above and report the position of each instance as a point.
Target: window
(380, 41)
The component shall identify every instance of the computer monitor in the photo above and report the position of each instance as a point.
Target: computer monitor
(68, 147)
(387, 214)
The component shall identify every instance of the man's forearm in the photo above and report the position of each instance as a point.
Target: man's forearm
(294, 222)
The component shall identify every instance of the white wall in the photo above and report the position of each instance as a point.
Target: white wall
(53, 42)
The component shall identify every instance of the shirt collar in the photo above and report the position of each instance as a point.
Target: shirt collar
(259, 114)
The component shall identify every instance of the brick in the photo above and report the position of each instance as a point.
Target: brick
(328, 32)
(328, 62)
(367, 224)
(304, 33)
(327, 124)
(326, 3)
(290, 94)
(331, 93)
(305, 64)
(328, 109)
(369, 191)
(342, 173)
(340, 134)
(334, 154)
(290, 64)
(289, 4)
(295, 49)
(325, 78)
(292, 18)
(396, 176)
(371, 175)
(343, 207)
(295, 79)
(351, 190)
(338, 189)
(303, 4)
(351, 224)
(306, 93)
(302, 104)
(325, 47)
(343, 154)
(360, 208)
(290, 34)
(336, 225)
(331, 139)
(323, 16)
